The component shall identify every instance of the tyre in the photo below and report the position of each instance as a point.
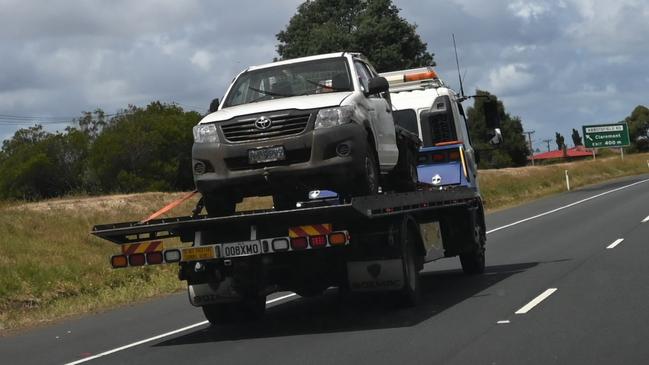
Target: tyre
(407, 176)
(227, 313)
(410, 295)
(219, 205)
(473, 263)
(368, 183)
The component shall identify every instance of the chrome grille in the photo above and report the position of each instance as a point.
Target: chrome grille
(245, 130)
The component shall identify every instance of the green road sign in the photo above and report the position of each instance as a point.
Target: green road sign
(606, 135)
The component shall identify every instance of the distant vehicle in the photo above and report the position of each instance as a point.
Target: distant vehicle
(290, 127)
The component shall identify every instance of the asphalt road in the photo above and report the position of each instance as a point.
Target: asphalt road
(560, 288)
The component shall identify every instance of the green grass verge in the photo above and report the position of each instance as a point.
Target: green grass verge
(512, 186)
(52, 268)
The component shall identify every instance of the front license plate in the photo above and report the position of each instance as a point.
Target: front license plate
(198, 253)
(266, 155)
(248, 248)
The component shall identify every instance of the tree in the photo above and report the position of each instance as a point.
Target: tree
(372, 27)
(512, 152)
(576, 138)
(144, 149)
(559, 140)
(638, 123)
(92, 123)
(38, 164)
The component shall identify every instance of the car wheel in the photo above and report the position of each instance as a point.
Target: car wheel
(409, 176)
(369, 177)
(219, 206)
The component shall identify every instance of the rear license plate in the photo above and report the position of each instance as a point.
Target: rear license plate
(198, 253)
(266, 155)
(248, 248)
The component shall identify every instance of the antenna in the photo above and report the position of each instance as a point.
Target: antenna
(457, 63)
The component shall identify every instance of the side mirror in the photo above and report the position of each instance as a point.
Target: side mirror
(214, 105)
(496, 137)
(378, 85)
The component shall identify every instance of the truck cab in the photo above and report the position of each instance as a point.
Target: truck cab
(424, 105)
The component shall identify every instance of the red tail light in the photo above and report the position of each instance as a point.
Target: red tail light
(137, 259)
(299, 243)
(154, 258)
(318, 241)
(454, 155)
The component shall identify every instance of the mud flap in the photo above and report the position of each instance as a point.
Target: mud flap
(378, 275)
(211, 293)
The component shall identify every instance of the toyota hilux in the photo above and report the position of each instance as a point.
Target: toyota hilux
(292, 126)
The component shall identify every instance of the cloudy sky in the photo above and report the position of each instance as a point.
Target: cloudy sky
(555, 64)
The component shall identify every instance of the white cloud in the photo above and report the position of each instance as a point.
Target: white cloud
(202, 59)
(529, 10)
(510, 78)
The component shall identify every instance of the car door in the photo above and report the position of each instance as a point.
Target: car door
(382, 121)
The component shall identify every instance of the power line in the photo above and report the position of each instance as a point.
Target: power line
(548, 143)
(529, 136)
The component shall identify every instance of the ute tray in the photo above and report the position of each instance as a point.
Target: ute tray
(364, 207)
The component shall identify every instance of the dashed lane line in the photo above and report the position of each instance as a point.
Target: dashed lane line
(615, 243)
(534, 302)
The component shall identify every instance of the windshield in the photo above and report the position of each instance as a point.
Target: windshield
(306, 78)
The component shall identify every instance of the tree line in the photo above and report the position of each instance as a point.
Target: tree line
(138, 149)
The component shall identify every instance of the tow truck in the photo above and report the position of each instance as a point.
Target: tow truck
(376, 242)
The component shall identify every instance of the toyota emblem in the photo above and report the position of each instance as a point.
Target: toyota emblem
(263, 123)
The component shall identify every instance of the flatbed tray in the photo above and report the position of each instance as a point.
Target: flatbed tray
(365, 207)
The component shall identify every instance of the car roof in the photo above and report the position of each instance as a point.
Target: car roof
(308, 58)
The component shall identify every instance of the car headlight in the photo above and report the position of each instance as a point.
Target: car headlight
(334, 116)
(205, 133)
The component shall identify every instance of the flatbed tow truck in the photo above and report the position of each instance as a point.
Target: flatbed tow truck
(367, 243)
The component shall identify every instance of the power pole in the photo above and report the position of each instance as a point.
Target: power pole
(529, 137)
(548, 142)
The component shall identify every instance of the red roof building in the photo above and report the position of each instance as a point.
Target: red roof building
(575, 152)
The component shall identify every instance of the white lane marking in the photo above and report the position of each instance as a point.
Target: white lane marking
(105, 353)
(566, 206)
(617, 242)
(645, 220)
(280, 298)
(527, 307)
(503, 322)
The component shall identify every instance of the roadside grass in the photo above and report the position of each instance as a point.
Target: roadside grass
(503, 188)
(52, 268)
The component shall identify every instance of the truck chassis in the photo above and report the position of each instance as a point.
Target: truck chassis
(369, 243)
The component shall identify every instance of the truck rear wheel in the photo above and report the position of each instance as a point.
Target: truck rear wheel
(473, 263)
(226, 313)
(410, 295)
